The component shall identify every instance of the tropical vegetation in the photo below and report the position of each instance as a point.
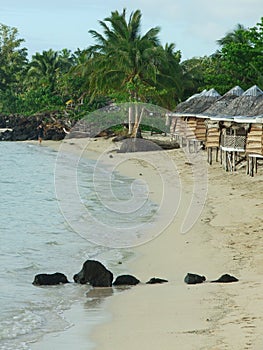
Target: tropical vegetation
(123, 65)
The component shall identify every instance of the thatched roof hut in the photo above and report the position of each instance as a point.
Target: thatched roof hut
(198, 103)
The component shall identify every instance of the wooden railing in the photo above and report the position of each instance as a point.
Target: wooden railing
(232, 141)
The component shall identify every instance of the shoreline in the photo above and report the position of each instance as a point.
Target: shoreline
(226, 238)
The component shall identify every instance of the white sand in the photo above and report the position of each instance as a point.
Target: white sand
(225, 238)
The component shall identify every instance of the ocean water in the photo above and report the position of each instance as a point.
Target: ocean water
(36, 237)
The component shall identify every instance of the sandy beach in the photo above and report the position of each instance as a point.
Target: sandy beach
(209, 223)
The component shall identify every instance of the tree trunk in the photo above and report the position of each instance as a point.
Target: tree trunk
(138, 118)
(131, 119)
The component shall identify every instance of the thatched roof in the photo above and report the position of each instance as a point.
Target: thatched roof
(198, 103)
(233, 105)
(258, 108)
(253, 91)
(221, 104)
(236, 91)
(247, 104)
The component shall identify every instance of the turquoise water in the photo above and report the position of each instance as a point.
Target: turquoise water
(35, 237)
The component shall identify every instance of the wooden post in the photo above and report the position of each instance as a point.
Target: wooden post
(252, 166)
(226, 163)
(255, 165)
(233, 161)
(216, 154)
(210, 155)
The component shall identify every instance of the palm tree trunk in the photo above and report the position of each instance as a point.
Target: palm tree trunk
(138, 119)
(131, 119)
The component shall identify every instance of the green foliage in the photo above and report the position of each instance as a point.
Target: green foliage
(38, 100)
(46, 68)
(240, 60)
(13, 59)
(129, 66)
(123, 65)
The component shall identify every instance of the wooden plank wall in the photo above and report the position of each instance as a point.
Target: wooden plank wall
(254, 143)
(213, 137)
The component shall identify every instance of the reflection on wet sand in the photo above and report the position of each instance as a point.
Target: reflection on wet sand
(96, 296)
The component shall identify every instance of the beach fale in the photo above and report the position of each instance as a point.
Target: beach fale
(230, 125)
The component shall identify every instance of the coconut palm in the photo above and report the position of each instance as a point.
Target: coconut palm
(126, 63)
(236, 36)
(171, 78)
(46, 66)
(123, 59)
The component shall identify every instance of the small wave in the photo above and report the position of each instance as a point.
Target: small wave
(20, 324)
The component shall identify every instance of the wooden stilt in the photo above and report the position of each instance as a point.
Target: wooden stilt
(226, 161)
(256, 165)
(210, 155)
(217, 154)
(251, 173)
(233, 161)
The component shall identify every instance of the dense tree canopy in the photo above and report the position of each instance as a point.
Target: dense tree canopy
(123, 65)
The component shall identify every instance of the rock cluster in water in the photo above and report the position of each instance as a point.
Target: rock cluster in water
(96, 274)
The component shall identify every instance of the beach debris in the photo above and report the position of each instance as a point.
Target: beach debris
(192, 278)
(155, 280)
(126, 280)
(45, 279)
(226, 278)
(94, 273)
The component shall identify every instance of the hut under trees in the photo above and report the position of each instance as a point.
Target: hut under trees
(216, 113)
(186, 127)
(236, 135)
(231, 124)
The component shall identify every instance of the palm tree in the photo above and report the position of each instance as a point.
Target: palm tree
(125, 61)
(171, 78)
(44, 68)
(236, 36)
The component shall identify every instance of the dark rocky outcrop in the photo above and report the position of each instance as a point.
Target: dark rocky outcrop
(94, 273)
(226, 278)
(44, 279)
(126, 280)
(155, 280)
(21, 128)
(192, 278)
